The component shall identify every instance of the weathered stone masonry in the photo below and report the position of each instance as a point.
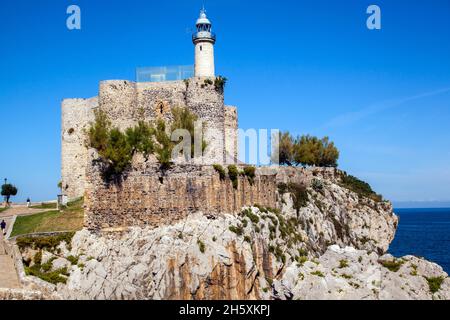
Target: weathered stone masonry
(149, 197)
(127, 102)
(76, 115)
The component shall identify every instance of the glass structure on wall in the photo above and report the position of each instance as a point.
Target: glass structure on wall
(161, 74)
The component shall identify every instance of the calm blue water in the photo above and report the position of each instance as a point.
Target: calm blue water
(423, 233)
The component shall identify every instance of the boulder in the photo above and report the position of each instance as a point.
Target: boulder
(60, 263)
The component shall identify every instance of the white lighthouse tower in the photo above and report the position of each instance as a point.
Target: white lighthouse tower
(204, 40)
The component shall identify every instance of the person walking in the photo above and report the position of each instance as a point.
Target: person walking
(3, 226)
(28, 202)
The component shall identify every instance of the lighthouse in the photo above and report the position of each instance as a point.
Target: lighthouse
(204, 40)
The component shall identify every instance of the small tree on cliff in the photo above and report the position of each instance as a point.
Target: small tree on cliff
(307, 151)
(286, 149)
(8, 191)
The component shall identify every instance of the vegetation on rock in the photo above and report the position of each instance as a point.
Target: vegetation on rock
(392, 265)
(219, 83)
(220, 170)
(47, 242)
(54, 277)
(435, 283)
(117, 148)
(307, 151)
(360, 187)
(233, 174)
(250, 173)
(298, 192)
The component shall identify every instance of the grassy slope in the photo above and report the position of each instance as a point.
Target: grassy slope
(69, 219)
(45, 206)
(2, 209)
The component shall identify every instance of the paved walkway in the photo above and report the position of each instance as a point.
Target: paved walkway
(8, 273)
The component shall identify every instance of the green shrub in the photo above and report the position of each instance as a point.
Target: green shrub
(343, 264)
(238, 230)
(53, 277)
(298, 192)
(38, 257)
(261, 208)
(249, 213)
(184, 119)
(302, 252)
(220, 170)
(279, 254)
(317, 273)
(414, 270)
(219, 83)
(317, 185)
(98, 133)
(118, 152)
(286, 149)
(117, 148)
(359, 187)
(201, 246)
(47, 242)
(307, 151)
(393, 265)
(48, 265)
(300, 195)
(312, 151)
(283, 188)
(233, 174)
(435, 283)
(73, 260)
(250, 173)
(164, 146)
(140, 138)
(301, 260)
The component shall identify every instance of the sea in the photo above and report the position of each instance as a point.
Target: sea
(423, 233)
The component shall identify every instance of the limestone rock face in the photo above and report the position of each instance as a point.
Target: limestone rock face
(356, 274)
(336, 215)
(60, 263)
(195, 259)
(227, 258)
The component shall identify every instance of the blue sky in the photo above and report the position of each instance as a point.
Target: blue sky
(311, 67)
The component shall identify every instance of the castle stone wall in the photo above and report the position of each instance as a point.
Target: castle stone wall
(126, 102)
(231, 135)
(76, 115)
(207, 102)
(149, 197)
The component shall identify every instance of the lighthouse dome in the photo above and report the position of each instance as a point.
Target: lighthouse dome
(203, 19)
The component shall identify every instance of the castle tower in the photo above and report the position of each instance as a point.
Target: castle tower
(204, 41)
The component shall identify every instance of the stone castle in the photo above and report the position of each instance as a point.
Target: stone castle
(126, 102)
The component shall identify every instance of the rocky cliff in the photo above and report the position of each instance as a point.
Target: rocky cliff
(332, 247)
